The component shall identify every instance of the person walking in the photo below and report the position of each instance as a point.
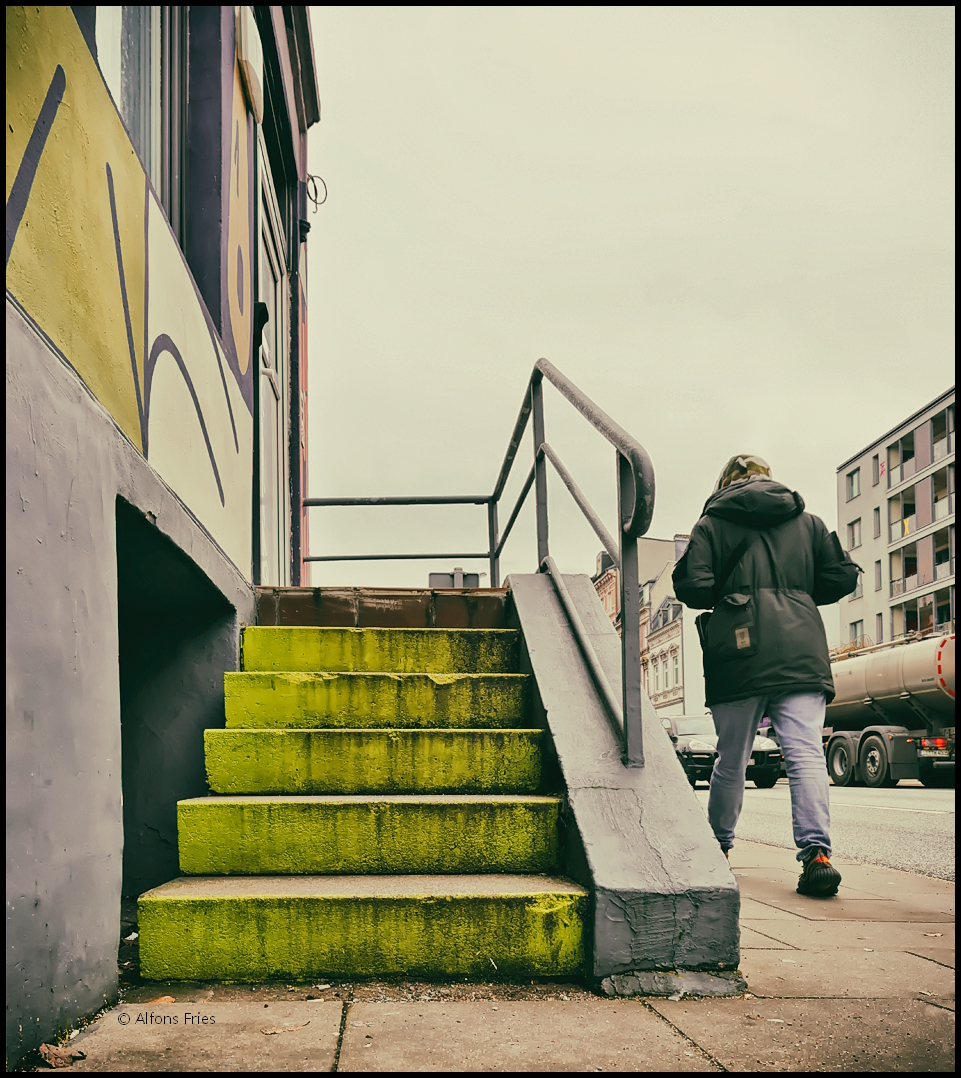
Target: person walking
(765, 565)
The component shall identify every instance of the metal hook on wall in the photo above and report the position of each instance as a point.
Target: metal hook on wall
(313, 197)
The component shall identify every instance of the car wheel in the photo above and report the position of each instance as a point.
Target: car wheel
(765, 781)
(874, 762)
(841, 763)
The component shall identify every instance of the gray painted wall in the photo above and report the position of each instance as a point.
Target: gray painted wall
(67, 462)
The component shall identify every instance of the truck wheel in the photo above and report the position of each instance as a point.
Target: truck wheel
(841, 763)
(875, 769)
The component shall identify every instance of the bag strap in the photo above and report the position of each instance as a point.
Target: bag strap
(731, 564)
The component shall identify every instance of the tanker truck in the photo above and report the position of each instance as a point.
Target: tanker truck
(892, 716)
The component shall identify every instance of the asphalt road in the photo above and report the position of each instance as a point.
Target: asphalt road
(908, 827)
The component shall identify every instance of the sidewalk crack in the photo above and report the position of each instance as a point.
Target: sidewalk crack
(943, 965)
(343, 1029)
(680, 1032)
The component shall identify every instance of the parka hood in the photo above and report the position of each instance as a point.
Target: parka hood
(758, 502)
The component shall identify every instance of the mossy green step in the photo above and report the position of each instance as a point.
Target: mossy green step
(372, 761)
(303, 928)
(375, 835)
(363, 700)
(402, 651)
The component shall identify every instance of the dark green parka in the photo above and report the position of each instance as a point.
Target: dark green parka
(765, 636)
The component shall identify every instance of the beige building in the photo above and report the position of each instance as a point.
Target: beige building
(896, 510)
(671, 668)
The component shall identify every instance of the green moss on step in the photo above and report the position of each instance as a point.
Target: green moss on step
(297, 938)
(479, 651)
(372, 761)
(373, 836)
(363, 700)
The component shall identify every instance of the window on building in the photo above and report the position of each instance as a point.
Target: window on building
(879, 629)
(859, 588)
(657, 676)
(857, 630)
(939, 436)
(877, 521)
(853, 483)
(854, 534)
(142, 54)
(877, 576)
(875, 470)
(677, 669)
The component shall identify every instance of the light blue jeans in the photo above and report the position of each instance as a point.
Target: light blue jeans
(797, 719)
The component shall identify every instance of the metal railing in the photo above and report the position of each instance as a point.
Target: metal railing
(635, 507)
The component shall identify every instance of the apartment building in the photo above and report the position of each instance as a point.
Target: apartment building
(671, 668)
(896, 510)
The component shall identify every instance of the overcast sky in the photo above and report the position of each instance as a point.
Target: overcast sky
(733, 229)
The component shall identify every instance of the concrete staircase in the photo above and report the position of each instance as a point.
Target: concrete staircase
(377, 809)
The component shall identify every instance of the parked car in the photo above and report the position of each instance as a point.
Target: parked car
(695, 743)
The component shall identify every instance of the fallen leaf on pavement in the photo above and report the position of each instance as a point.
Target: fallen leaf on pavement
(55, 1056)
(934, 935)
(284, 1029)
(162, 999)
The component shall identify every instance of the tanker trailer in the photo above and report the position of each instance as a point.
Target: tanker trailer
(892, 716)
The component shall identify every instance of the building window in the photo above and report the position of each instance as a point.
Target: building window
(854, 534)
(142, 54)
(877, 576)
(657, 676)
(877, 521)
(677, 669)
(853, 484)
(857, 630)
(859, 588)
(879, 629)
(875, 470)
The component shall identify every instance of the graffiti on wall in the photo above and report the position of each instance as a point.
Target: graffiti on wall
(92, 259)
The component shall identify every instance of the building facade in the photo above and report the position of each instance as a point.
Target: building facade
(896, 517)
(671, 668)
(156, 444)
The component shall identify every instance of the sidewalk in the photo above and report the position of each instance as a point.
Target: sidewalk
(861, 982)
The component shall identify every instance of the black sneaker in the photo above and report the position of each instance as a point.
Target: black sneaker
(820, 879)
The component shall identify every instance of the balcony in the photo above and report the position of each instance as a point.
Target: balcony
(940, 450)
(897, 588)
(901, 528)
(944, 570)
(900, 472)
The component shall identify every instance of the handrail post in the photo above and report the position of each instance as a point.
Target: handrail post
(630, 619)
(492, 539)
(540, 468)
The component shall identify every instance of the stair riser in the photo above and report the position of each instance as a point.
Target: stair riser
(378, 700)
(300, 939)
(439, 651)
(372, 761)
(300, 837)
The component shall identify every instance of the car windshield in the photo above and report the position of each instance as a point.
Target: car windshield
(701, 725)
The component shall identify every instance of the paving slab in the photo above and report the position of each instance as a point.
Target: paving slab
(212, 1036)
(525, 1035)
(817, 1034)
(853, 974)
(929, 939)
(759, 936)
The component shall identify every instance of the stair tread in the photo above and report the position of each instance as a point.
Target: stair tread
(437, 677)
(410, 886)
(366, 799)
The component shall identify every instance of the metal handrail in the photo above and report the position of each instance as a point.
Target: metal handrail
(635, 503)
